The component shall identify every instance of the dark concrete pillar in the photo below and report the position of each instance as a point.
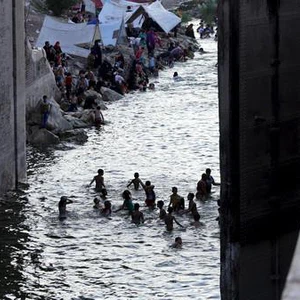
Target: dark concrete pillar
(12, 95)
(259, 145)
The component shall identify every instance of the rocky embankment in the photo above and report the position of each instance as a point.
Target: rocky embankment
(70, 126)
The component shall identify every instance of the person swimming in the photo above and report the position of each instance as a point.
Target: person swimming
(62, 206)
(176, 201)
(137, 216)
(176, 77)
(150, 194)
(192, 207)
(209, 180)
(127, 203)
(135, 181)
(106, 210)
(151, 86)
(97, 204)
(196, 222)
(100, 186)
(169, 219)
(162, 212)
(177, 243)
(202, 188)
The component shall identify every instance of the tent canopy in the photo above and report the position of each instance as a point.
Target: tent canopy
(90, 6)
(111, 17)
(164, 18)
(69, 35)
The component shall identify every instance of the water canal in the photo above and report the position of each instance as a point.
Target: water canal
(170, 136)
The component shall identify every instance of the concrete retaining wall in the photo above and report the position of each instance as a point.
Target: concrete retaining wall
(40, 79)
(12, 95)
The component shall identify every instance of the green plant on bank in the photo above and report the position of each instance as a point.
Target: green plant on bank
(208, 11)
(185, 18)
(58, 7)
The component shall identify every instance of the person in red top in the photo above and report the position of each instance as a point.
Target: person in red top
(57, 48)
(201, 188)
(68, 84)
(139, 53)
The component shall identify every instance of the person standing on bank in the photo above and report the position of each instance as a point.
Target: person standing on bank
(97, 52)
(45, 111)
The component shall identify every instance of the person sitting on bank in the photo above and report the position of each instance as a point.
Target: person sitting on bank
(99, 119)
(45, 111)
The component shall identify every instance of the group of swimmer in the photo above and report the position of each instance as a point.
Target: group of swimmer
(176, 204)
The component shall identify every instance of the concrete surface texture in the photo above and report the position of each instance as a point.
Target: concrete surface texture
(40, 79)
(259, 149)
(12, 95)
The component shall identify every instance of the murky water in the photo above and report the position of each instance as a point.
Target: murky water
(170, 136)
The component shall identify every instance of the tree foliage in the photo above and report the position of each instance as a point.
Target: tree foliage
(59, 6)
(208, 11)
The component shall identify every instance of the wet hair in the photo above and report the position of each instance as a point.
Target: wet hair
(100, 171)
(175, 74)
(196, 217)
(136, 206)
(191, 195)
(136, 174)
(170, 209)
(148, 183)
(174, 188)
(208, 170)
(160, 203)
(126, 194)
(178, 238)
(107, 204)
(96, 200)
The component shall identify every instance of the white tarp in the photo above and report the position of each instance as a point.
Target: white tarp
(164, 18)
(111, 17)
(90, 6)
(69, 35)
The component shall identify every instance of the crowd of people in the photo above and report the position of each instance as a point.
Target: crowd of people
(148, 56)
(176, 203)
(145, 63)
